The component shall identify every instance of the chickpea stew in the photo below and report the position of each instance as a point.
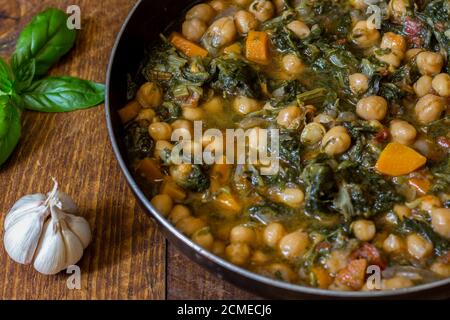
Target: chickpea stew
(361, 102)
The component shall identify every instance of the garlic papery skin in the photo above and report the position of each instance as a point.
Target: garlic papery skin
(43, 231)
(23, 227)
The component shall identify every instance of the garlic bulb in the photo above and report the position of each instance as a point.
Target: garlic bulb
(45, 230)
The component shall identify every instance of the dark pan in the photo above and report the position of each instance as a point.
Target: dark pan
(142, 28)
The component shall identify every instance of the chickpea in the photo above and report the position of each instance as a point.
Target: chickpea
(221, 32)
(299, 28)
(402, 132)
(262, 9)
(390, 58)
(218, 248)
(292, 197)
(398, 8)
(441, 84)
(396, 283)
(161, 148)
(294, 244)
(312, 133)
(363, 229)
(218, 5)
(163, 203)
(336, 141)
(282, 271)
(204, 238)
(180, 172)
(289, 117)
(149, 95)
(193, 113)
(185, 126)
(280, 5)
(423, 86)
(393, 244)
(395, 42)
(292, 64)
(412, 53)
(363, 36)
(358, 4)
(193, 29)
(190, 225)
(402, 211)
(418, 247)
(372, 108)
(202, 11)
(429, 202)
(245, 21)
(243, 3)
(146, 114)
(214, 105)
(243, 234)
(260, 257)
(238, 253)
(359, 83)
(429, 108)
(441, 269)
(160, 131)
(429, 63)
(273, 233)
(440, 221)
(245, 105)
(179, 212)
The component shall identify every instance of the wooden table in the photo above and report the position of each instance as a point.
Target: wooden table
(128, 258)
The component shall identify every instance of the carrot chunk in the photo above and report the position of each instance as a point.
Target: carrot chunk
(422, 185)
(234, 48)
(150, 169)
(257, 47)
(171, 188)
(397, 160)
(323, 278)
(189, 48)
(130, 111)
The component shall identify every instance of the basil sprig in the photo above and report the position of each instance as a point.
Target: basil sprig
(24, 85)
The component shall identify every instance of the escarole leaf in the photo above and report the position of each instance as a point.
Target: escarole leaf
(62, 94)
(10, 128)
(6, 82)
(46, 39)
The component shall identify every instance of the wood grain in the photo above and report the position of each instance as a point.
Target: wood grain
(128, 257)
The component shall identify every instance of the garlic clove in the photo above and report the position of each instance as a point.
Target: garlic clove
(51, 252)
(22, 207)
(22, 234)
(64, 202)
(74, 247)
(80, 227)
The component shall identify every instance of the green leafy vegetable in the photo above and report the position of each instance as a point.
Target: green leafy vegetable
(10, 128)
(6, 79)
(137, 140)
(197, 181)
(62, 94)
(46, 39)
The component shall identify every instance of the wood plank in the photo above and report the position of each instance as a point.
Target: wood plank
(187, 280)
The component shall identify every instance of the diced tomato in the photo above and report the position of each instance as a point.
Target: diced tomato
(413, 29)
(370, 253)
(353, 275)
(382, 135)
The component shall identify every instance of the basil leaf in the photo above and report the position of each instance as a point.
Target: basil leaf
(10, 128)
(6, 82)
(61, 94)
(46, 39)
(25, 75)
